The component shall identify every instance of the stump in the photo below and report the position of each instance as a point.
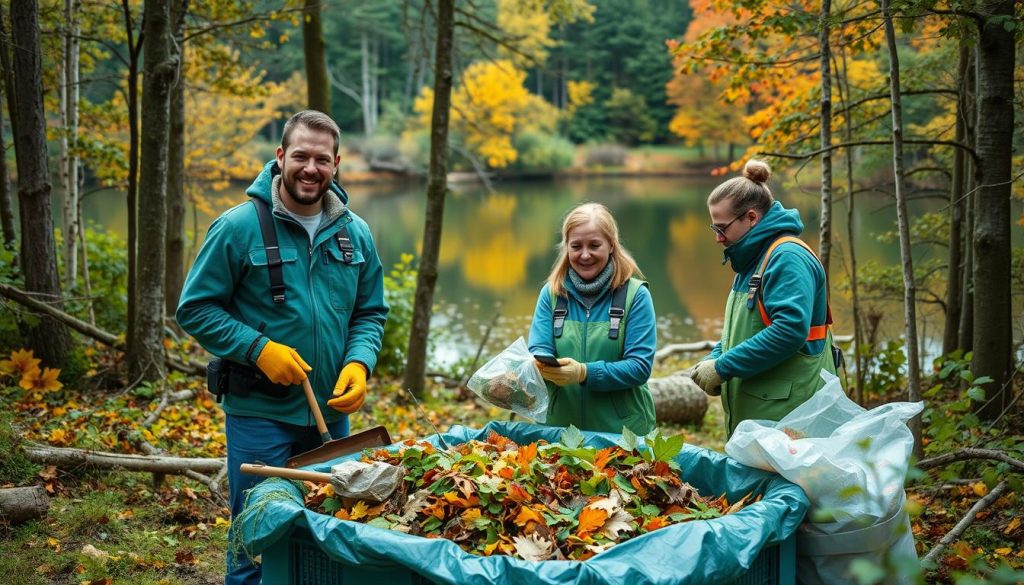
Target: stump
(22, 503)
(678, 399)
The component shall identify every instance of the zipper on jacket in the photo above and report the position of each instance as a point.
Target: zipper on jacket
(583, 359)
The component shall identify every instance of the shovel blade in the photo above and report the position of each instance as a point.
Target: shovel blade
(375, 437)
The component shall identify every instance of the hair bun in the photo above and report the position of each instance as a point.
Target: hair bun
(757, 171)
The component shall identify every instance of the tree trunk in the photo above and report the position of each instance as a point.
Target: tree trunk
(69, 140)
(174, 276)
(851, 236)
(909, 286)
(133, 167)
(49, 338)
(678, 399)
(366, 102)
(19, 504)
(146, 348)
(6, 204)
(7, 85)
(965, 332)
(993, 330)
(437, 187)
(318, 88)
(825, 242)
(954, 282)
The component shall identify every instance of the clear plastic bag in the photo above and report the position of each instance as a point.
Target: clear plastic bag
(511, 380)
(851, 463)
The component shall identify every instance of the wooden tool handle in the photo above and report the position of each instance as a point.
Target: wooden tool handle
(300, 474)
(321, 426)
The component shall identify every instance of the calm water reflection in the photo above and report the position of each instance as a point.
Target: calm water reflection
(500, 246)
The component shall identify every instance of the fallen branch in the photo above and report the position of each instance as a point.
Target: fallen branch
(21, 297)
(104, 460)
(964, 523)
(966, 454)
(709, 344)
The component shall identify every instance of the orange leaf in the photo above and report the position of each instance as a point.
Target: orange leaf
(516, 493)
(527, 514)
(591, 519)
(655, 523)
(525, 455)
(1013, 525)
(602, 457)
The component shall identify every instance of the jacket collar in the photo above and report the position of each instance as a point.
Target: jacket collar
(745, 253)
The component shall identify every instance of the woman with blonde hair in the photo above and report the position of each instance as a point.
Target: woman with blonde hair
(776, 336)
(595, 316)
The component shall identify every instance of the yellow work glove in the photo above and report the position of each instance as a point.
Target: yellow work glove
(570, 372)
(350, 390)
(282, 364)
(706, 376)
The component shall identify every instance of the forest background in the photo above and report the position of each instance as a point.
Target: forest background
(177, 104)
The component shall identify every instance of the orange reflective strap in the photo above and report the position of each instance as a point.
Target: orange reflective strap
(817, 332)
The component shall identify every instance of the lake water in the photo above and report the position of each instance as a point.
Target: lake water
(498, 247)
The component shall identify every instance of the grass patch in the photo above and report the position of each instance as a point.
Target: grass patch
(15, 468)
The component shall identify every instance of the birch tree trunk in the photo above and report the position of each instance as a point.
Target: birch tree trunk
(146, 349)
(318, 88)
(437, 187)
(49, 338)
(174, 276)
(69, 140)
(364, 74)
(825, 243)
(954, 281)
(909, 287)
(993, 310)
(851, 236)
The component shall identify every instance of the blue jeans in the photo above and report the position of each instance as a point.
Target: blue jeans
(250, 440)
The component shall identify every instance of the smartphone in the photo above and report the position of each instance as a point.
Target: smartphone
(547, 360)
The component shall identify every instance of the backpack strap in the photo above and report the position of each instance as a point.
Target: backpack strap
(345, 244)
(269, 234)
(617, 310)
(754, 293)
(561, 310)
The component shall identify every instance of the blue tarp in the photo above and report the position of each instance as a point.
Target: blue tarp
(702, 551)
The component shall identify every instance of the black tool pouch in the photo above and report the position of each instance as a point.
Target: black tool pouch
(838, 359)
(232, 378)
(216, 378)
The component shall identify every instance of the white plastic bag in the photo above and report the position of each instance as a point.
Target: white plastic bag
(511, 380)
(850, 462)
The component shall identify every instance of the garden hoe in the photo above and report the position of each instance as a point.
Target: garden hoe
(334, 448)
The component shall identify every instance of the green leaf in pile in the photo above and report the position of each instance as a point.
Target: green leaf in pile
(380, 522)
(622, 483)
(666, 448)
(331, 505)
(627, 441)
(572, 438)
(431, 524)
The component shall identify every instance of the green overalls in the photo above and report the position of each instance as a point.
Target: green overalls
(772, 394)
(608, 411)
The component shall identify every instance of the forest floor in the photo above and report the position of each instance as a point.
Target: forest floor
(106, 527)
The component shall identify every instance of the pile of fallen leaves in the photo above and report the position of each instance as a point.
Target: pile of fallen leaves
(537, 502)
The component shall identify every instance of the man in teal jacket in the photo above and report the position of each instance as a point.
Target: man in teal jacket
(775, 336)
(326, 324)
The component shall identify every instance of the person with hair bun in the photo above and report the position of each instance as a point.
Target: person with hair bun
(776, 334)
(596, 316)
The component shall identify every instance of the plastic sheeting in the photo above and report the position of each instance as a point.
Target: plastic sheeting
(703, 551)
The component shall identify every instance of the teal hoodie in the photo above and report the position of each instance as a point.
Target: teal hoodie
(333, 313)
(793, 289)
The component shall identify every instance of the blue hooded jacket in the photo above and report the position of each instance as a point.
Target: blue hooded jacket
(794, 291)
(334, 312)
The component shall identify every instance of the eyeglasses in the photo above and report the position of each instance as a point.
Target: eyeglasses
(721, 230)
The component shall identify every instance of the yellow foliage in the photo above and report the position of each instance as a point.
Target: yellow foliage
(581, 93)
(488, 108)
